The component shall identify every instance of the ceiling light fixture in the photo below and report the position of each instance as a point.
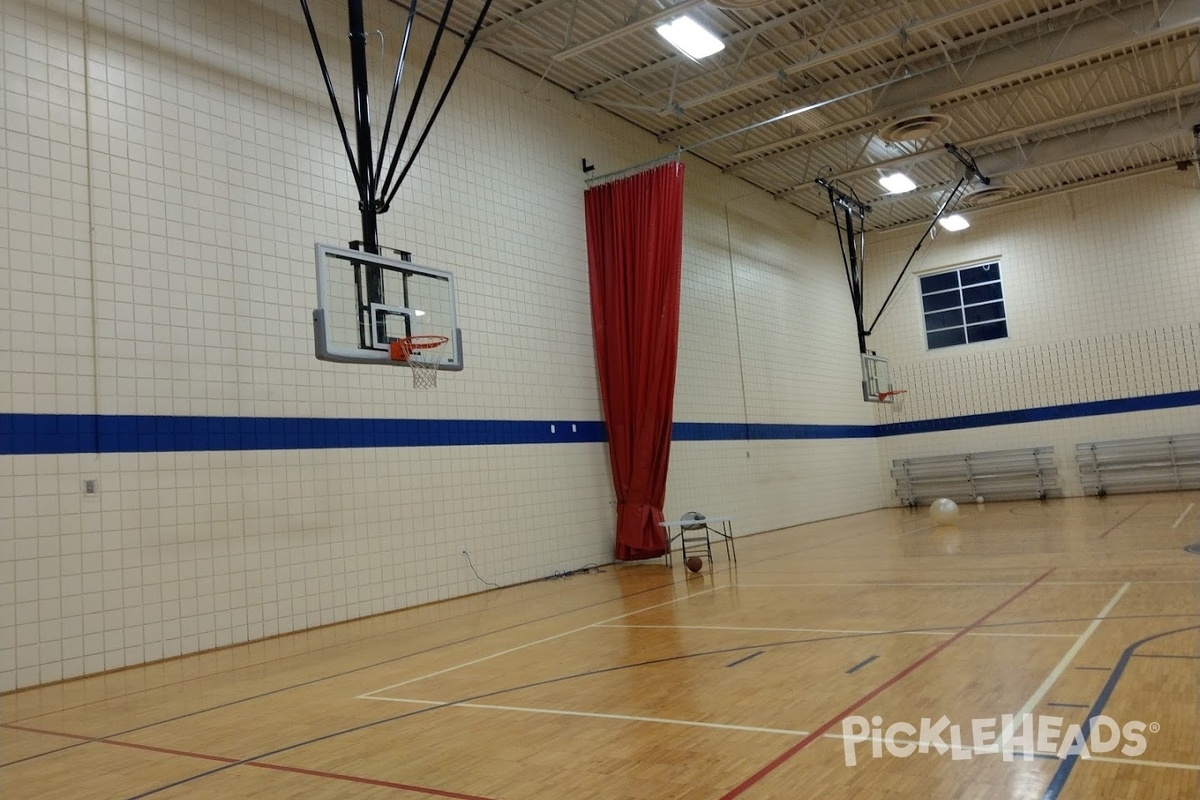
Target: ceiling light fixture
(897, 183)
(954, 222)
(690, 38)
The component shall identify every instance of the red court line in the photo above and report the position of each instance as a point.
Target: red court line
(1123, 521)
(337, 776)
(370, 781)
(823, 729)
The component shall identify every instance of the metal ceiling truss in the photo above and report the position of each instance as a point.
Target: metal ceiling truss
(1009, 64)
(1063, 92)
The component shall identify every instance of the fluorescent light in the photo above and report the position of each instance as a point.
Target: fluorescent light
(690, 38)
(897, 183)
(954, 222)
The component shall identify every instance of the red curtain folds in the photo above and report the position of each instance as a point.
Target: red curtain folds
(635, 249)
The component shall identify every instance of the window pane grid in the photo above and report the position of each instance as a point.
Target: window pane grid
(963, 305)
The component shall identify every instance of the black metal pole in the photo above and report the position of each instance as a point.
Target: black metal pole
(362, 123)
(937, 215)
(856, 283)
(367, 175)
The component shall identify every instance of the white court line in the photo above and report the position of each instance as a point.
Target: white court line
(532, 644)
(1186, 511)
(950, 632)
(1019, 717)
(1139, 762)
(984, 750)
(597, 715)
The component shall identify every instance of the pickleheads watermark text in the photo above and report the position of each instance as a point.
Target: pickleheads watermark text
(1025, 737)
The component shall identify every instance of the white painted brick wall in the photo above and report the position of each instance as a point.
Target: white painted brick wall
(169, 166)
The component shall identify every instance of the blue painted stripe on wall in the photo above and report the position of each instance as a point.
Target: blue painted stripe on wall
(741, 431)
(27, 434)
(1045, 413)
(46, 434)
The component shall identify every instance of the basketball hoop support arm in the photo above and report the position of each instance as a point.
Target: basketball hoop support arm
(853, 247)
(374, 196)
(971, 172)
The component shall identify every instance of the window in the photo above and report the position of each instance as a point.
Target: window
(963, 305)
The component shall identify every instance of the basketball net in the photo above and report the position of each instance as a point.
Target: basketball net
(423, 356)
(424, 364)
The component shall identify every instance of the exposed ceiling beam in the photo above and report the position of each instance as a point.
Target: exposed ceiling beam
(1145, 129)
(1139, 130)
(626, 29)
(1123, 28)
(1117, 31)
(890, 71)
(1135, 172)
(1185, 94)
(915, 26)
(519, 18)
(679, 59)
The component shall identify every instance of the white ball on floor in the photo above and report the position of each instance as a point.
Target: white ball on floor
(979, 499)
(944, 511)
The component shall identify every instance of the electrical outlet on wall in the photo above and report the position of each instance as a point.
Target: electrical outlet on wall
(91, 487)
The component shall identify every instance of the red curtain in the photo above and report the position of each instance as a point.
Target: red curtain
(635, 248)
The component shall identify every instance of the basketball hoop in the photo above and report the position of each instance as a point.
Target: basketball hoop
(418, 352)
(885, 397)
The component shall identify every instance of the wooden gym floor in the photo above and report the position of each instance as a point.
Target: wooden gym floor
(640, 682)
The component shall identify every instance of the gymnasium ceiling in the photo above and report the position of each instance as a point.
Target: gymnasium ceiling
(1046, 95)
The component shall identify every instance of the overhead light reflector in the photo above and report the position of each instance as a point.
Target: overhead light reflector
(954, 222)
(897, 183)
(690, 38)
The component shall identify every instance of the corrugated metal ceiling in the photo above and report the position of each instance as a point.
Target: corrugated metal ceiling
(993, 77)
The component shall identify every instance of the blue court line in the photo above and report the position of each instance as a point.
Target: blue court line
(1064, 770)
(747, 658)
(48, 434)
(861, 664)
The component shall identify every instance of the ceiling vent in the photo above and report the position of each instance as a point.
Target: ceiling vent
(986, 195)
(914, 125)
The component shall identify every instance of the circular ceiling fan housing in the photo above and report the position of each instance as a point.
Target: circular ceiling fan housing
(914, 125)
(986, 195)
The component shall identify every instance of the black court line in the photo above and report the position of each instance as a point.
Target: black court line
(747, 658)
(1163, 655)
(335, 675)
(534, 684)
(1054, 789)
(1124, 520)
(1097, 669)
(486, 695)
(1067, 705)
(860, 665)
